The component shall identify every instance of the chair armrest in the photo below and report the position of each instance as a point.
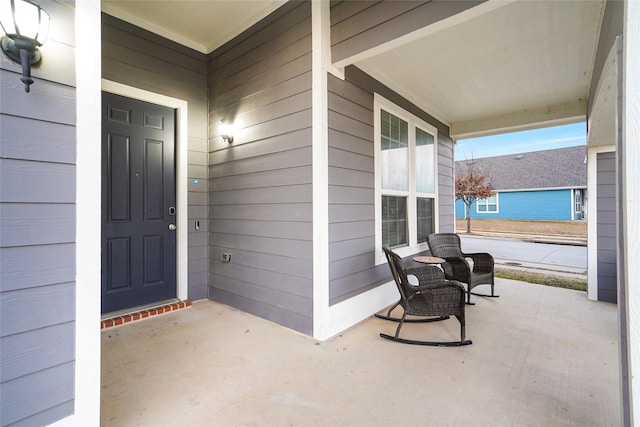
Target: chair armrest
(427, 274)
(447, 284)
(482, 261)
(431, 278)
(455, 259)
(456, 267)
(428, 277)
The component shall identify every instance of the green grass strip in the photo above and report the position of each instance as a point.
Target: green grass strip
(542, 279)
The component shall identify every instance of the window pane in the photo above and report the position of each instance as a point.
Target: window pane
(394, 159)
(488, 205)
(423, 138)
(492, 203)
(425, 170)
(425, 218)
(394, 221)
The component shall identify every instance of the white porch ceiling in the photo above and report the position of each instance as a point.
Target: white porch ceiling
(203, 25)
(501, 66)
(509, 65)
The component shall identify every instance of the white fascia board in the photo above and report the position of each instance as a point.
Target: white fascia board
(553, 115)
(602, 121)
(572, 187)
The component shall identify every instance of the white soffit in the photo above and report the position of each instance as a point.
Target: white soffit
(523, 57)
(203, 25)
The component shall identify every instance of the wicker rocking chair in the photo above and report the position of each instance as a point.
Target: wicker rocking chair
(447, 246)
(433, 299)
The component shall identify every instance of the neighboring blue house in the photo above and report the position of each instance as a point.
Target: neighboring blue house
(539, 185)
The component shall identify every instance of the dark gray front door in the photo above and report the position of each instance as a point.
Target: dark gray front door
(138, 203)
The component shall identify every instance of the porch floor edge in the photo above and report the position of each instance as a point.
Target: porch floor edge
(143, 313)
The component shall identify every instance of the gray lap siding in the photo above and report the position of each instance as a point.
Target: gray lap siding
(139, 58)
(352, 268)
(357, 26)
(37, 234)
(260, 184)
(606, 227)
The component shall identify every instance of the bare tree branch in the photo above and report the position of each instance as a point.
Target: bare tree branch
(472, 184)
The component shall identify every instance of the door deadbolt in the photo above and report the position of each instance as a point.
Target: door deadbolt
(172, 210)
(172, 227)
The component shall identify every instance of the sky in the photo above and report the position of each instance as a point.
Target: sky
(521, 142)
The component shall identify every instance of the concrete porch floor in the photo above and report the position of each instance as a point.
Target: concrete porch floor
(541, 356)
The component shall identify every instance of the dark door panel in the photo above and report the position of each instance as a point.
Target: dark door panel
(138, 190)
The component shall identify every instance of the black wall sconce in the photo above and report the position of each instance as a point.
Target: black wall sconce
(226, 130)
(26, 26)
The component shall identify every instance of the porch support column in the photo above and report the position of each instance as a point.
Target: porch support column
(629, 244)
(320, 170)
(88, 216)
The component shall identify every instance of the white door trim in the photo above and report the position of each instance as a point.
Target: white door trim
(180, 105)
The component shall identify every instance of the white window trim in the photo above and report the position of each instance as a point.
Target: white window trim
(577, 192)
(381, 103)
(478, 211)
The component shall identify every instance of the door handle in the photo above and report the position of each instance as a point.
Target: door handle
(172, 227)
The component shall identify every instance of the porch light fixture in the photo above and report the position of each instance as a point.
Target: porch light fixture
(226, 130)
(25, 25)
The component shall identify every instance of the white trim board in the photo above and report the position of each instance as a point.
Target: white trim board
(630, 203)
(181, 107)
(572, 205)
(320, 168)
(577, 187)
(88, 218)
(350, 312)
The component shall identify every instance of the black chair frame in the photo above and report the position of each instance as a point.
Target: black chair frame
(456, 267)
(433, 299)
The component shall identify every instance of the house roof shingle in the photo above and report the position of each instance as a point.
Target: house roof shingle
(557, 168)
